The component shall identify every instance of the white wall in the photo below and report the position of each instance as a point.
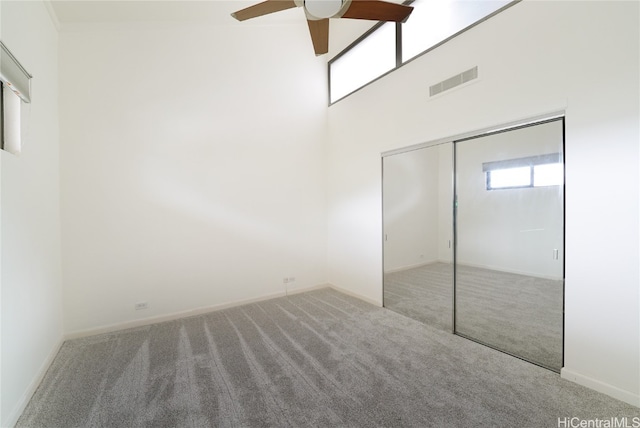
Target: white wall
(410, 189)
(417, 205)
(445, 203)
(534, 58)
(30, 226)
(192, 167)
(1, 413)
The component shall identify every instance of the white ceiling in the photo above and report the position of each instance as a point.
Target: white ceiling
(216, 12)
(71, 14)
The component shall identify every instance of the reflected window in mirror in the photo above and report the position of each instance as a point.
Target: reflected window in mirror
(551, 174)
(535, 171)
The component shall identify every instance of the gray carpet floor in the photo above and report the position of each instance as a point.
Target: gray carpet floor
(423, 293)
(518, 314)
(318, 359)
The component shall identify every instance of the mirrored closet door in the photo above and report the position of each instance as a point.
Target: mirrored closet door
(474, 238)
(418, 234)
(509, 268)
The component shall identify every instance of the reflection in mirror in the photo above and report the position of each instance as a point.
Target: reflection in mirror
(510, 242)
(418, 216)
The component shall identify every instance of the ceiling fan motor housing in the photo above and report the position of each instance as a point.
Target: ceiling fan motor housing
(318, 13)
(322, 9)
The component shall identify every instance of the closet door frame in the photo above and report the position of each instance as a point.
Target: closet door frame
(512, 127)
(504, 127)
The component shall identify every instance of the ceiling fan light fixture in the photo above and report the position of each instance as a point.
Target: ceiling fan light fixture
(318, 13)
(322, 9)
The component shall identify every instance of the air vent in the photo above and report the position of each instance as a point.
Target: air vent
(454, 81)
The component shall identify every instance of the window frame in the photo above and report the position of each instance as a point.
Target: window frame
(399, 62)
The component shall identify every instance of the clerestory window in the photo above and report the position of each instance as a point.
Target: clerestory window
(388, 46)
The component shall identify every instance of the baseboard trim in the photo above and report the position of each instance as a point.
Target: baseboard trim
(356, 295)
(414, 266)
(111, 328)
(605, 388)
(33, 386)
(305, 289)
(513, 271)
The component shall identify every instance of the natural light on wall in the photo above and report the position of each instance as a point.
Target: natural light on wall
(369, 59)
(433, 21)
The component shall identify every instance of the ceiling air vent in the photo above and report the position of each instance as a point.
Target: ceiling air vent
(454, 81)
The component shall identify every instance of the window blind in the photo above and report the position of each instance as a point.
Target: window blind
(16, 88)
(11, 140)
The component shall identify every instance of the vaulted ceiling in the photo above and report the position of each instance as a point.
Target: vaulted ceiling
(215, 12)
(83, 13)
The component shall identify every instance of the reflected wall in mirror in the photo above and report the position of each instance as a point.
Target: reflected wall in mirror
(509, 272)
(418, 226)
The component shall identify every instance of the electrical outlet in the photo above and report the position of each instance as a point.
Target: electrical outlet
(285, 280)
(140, 305)
(292, 279)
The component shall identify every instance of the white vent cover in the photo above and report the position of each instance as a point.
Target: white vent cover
(454, 81)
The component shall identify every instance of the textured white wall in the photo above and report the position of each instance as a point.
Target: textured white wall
(193, 167)
(31, 286)
(534, 58)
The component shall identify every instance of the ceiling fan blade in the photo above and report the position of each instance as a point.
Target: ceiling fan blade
(264, 8)
(319, 30)
(377, 10)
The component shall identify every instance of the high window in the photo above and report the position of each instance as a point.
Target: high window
(388, 46)
(372, 57)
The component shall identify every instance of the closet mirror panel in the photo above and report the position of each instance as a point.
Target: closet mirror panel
(418, 228)
(509, 269)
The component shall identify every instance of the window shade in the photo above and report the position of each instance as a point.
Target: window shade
(14, 75)
(528, 161)
(11, 140)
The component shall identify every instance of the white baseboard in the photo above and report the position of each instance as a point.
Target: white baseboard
(596, 385)
(291, 292)
(356, 295)
(184, 314)
(13, 417)
(413, 266)
(504, 270)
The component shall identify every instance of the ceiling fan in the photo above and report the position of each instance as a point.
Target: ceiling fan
(318, 13)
